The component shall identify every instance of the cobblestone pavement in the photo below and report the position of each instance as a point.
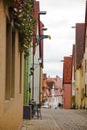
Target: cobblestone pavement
(58, 119)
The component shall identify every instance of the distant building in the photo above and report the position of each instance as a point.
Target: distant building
(53, 90)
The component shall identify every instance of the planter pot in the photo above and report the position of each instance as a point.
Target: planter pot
(27, 112)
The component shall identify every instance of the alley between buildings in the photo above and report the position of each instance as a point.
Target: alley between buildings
(58, 119)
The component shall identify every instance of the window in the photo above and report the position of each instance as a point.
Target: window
(10, 61)
(13, 63)
(20, 72)
(82, 93)
(86, 90)
(82, 70)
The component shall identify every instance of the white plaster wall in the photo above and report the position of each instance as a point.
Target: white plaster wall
(36, 75)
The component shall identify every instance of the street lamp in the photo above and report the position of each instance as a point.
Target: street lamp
(31, 70)
(40, 60)
(41, 37)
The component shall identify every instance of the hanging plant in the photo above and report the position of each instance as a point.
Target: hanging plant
(22, 13)
(27, 22)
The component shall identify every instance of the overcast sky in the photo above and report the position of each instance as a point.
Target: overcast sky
(61, 16)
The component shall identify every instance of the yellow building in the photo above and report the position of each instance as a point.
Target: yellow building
(79, 67)
(85, 78)
(11, 73)
(85, 62)
(83, 83)
(78, 87)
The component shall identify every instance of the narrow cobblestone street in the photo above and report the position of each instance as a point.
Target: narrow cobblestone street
(58, 119)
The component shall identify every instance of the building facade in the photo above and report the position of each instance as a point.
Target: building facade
(67, 82)
(52, 90)
(11, 73)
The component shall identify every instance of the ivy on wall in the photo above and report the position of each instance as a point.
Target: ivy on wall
(21, 11)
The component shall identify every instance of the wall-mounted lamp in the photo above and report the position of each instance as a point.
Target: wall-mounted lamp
(41, 37)
(31, 70)
(40, 60)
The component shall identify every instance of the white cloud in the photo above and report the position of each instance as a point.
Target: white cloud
(54, 68)
(61, 15)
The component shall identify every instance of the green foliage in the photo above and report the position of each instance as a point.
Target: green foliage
(22, 13)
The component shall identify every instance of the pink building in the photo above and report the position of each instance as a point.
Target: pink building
(67, 82)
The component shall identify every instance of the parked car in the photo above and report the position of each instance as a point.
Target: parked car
(45, 105)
